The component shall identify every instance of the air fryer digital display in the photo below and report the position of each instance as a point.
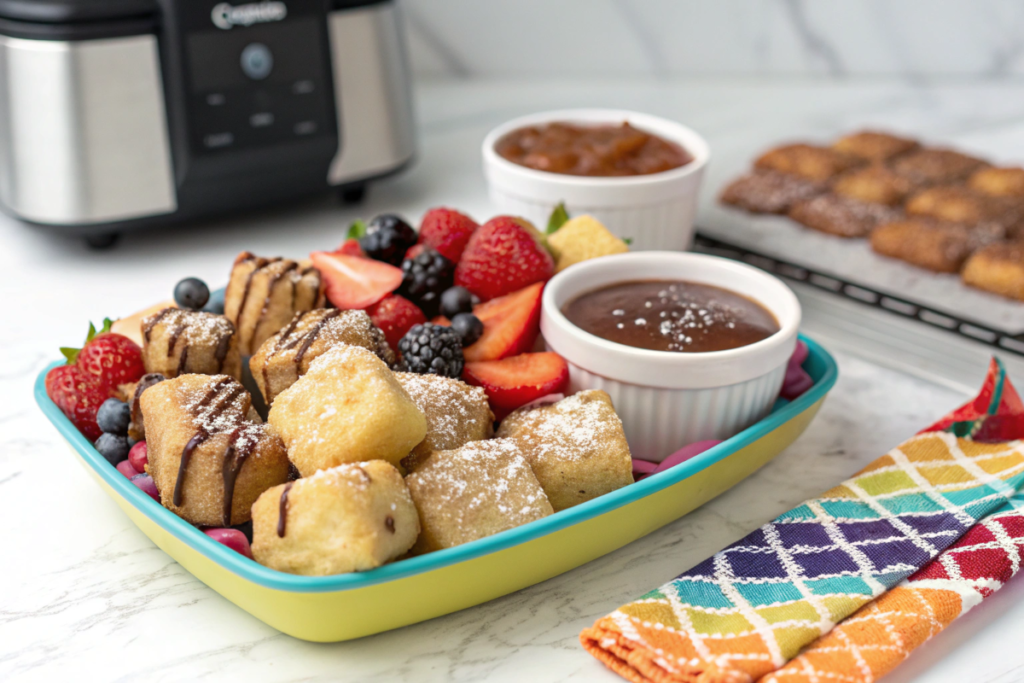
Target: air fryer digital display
(257, 74)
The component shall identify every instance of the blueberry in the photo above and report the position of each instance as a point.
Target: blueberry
(191, 293)
(216, 303)
(113, 417)
(455, 300)
(113, 447)
(468, 327)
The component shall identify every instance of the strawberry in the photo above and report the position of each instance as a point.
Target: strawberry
(350, 248)
(414, 251)
(78, 395)
(514, 382)
(112, 359)
(503, 256)
(354, 282)
(511, 324)
(395, 315)
(447, 231)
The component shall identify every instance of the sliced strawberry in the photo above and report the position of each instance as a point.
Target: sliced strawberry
(353, 282)
(351, 248)
(511, 324)
(79, 396)
(414, 251)
(447, 231)
(503, 256)
(395, 315)
(514, 382)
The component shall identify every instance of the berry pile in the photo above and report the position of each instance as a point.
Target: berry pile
(432, 349)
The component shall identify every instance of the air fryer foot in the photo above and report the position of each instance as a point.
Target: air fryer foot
(353, 194)
(102, 240)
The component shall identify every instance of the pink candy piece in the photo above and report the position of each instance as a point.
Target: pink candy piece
(643, 468)
(145, 482)
(139, 456)
(125, 468)
(232, 538)
(797, 381)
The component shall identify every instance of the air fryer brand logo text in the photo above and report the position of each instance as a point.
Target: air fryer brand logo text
(226, 16)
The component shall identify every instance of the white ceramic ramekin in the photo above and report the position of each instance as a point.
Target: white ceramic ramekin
(667, 400)
(656, 211)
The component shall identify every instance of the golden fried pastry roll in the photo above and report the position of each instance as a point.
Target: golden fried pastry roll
(873, 145)
(575, 447)
(209, 459)
(286, 356)
(769, 191)
(347, 407)
(998, 182)
(349, 518)
(807, 161)
(841, 216)
(456, 414)
(931, 244)
(264, 294)
(933, 166)
(875, 184)
(474, 491)
(997, 268)
(178, 341)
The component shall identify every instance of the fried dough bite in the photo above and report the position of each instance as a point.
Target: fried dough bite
(997, 268)
(286, 356)
(576, 447)
(841, 216)
(927, 243)
(769, 191)
(806, 161)
(178, 341)
(474, 491)
(456, 414)
(875, 184)
(873, 145)
(264, 294)
(934, 166)
(998, 182)
(348, 407)
(210, 460)
(960, 204)
(348, 518)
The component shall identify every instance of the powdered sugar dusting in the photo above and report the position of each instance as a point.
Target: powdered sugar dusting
(573, 429)
(452, 408)
(349, 475)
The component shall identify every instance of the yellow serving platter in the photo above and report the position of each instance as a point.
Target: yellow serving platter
(336, 608)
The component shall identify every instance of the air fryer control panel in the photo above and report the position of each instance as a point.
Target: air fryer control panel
(255, 75)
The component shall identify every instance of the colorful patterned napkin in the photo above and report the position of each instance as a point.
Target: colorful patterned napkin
(866, 646)
(752, 607)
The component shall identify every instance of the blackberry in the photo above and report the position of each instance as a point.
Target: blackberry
(430, 349)
(425, 278)
(387, 239)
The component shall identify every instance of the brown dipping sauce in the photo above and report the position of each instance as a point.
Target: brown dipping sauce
(602, 150)
(671, 315)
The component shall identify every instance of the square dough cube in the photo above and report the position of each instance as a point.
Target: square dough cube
(932, 166)
(576, 447)
(998, 182)
(875, 184)
(873, 145)
(807, 161)
(960, 204)
(927, 243)
(456, 414)
(349, 518)
(997, 268)
(348, 407)
(176, 341)
(841, 216)
(474, 491)
(769, 191)
(286, 356)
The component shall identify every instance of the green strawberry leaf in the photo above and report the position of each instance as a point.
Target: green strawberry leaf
(628, 241)
(70, 354)
(356, 230)
(559, 217)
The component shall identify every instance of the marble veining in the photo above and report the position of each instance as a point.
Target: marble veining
(84, 594)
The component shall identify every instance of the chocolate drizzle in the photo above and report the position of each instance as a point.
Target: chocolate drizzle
(312, 334)
(223, 344)
(282, 513)
(153, 321)
(172, 339)
(389, 523)
(203, 433)
(234, 457)
(144, 383)
(182, 360)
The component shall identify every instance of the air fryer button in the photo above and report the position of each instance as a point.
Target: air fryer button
(257, 61)
(305, 127)
(303, 87)
(261, 120)
(218, 140)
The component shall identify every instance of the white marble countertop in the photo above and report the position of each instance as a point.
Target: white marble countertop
(84, 594)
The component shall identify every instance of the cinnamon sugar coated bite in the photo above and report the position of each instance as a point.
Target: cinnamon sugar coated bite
(765, 191)
(473, 492)
(348, 518)
(876, 184)
(348, 407)
(997, 268)
(998, 182)
(960, 204)
(576, 447)
(841, 216)
(931, 244)
(456, 414)
(873, 145)
(806, 161)
(208, 456)
(286, 356)
(177, 341)
(933, 166)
